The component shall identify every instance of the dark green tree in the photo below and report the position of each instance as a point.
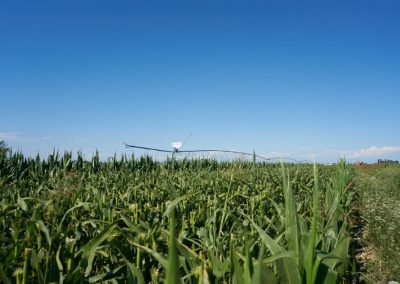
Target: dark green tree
(4, 149)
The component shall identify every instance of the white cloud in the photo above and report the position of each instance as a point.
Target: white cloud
(375, 151)
(331, 154)
(11, 136)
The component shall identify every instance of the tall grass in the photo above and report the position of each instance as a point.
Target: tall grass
(378, 188)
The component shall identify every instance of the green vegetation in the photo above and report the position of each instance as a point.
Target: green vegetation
(378, 187)
(189, 221)
(3, 149)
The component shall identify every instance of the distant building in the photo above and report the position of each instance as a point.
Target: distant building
(359, 163)
(385, 161)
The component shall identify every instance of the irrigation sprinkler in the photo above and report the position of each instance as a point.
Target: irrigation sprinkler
(176, 149)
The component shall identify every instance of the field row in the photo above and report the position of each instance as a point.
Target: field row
(188, 221)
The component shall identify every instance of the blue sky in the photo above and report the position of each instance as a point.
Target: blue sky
(305, 79)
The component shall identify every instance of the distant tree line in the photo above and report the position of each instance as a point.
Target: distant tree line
(3, 148)
(385, 161)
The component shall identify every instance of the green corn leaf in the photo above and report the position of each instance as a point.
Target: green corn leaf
(283, 254)
(161, 259)
(173, 263)
(203, 275)
(92, 245)
(58, 260)
(325, 274)
(3, 276)
(44, 229)
(341, 251)
(174, 203)
(90, 259)
(35, 263)
(310, 251)
(288, 270)
(190, 256)
(134, 274)
(291, 222)
(132, 226)
(257, 276)
(219, 267)
(81, 204)
(22, 204)
(248, 262)
(110, 275)
(263, 274)
(237, 272)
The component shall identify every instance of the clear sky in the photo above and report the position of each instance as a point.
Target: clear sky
(305, 79)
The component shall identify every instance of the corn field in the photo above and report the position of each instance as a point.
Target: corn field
(129, 220)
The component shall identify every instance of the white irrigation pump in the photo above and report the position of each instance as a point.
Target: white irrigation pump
(176, 148)
(177, 145)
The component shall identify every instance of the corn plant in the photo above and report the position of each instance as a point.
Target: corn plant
(65, 220)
